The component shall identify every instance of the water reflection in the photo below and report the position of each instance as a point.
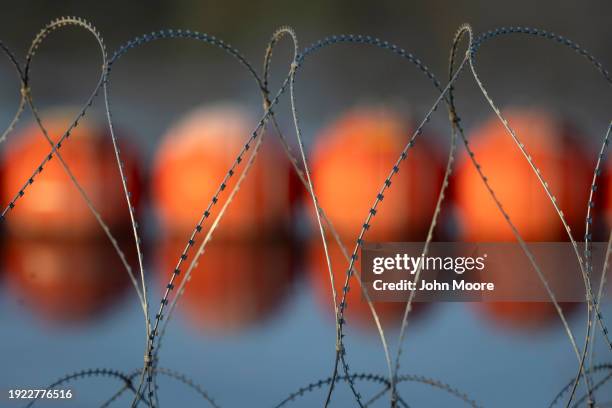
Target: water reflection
(64, 281)
(518, 281)
(358, 311)
(236, 285)
(524, 316)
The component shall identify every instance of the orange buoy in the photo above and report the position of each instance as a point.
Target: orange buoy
(358, 311)
(52, 205)
(563, 163)
(352, 158)
(568, 170)
(236, 285)
(65, 281)
(192, 161)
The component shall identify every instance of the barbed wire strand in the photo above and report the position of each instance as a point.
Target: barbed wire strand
(25, 91)
(552, 199)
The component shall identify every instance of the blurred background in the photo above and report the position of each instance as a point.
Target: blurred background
(256, 321)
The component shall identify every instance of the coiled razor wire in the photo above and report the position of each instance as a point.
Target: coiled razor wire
(143, 382)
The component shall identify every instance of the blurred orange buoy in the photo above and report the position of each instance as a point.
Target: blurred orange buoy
(52, 205)
(65, 281)
(564, 164)
(192, 161)
(358, 311)
(236, 285)
(556, 150)
(352, 158)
